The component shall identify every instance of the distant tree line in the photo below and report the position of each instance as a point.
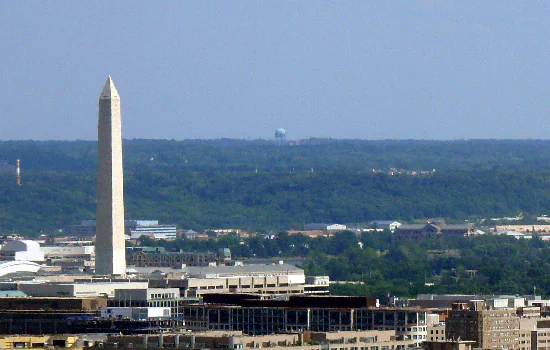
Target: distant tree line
(214, 184)
(485, 264)
(228, 155)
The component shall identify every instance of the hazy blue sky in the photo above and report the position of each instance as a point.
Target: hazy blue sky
(367, 69)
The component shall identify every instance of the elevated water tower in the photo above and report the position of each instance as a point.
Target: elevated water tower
(280, 136)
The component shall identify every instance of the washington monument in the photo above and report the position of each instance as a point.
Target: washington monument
(110, 244)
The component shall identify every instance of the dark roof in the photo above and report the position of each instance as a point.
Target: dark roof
(457, 227)
(407, 227)
(224, 270)
(415, 227)
(381, 222)
(293, 301)
(146, 249)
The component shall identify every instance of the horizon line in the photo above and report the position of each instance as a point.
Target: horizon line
(286, 141)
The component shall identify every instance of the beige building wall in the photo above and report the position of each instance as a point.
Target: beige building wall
(32, 342)
(525, 340)
(523, 228)
(83, 252)
(534, 333)
(540, 339)
(265, 285)
(448, 345)
(362, 340)
(436, 332)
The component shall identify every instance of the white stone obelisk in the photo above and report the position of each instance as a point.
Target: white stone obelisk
(110, 245)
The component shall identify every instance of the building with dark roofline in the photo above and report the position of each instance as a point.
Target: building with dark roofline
(429, 230)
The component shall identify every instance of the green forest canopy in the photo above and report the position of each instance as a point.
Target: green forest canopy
(258, 185)
(482, 265)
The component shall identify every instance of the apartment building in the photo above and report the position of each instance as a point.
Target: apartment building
(488, 328)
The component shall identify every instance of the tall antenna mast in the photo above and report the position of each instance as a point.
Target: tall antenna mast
(18, 172)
